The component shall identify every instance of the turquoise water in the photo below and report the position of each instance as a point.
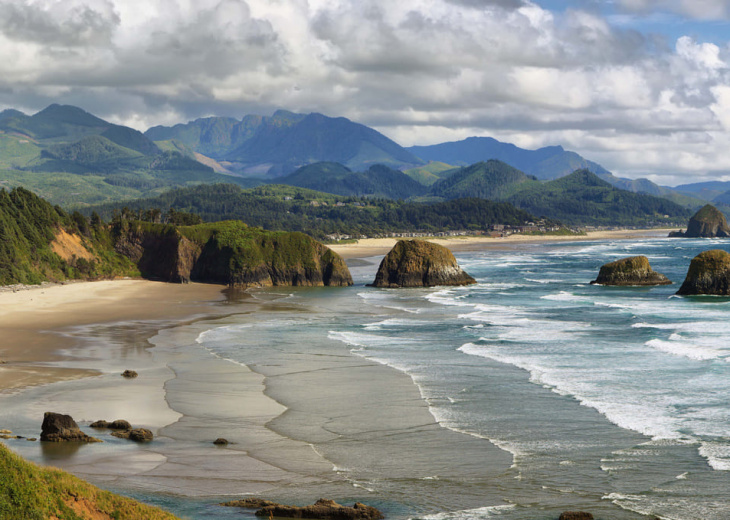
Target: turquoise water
(613, 400)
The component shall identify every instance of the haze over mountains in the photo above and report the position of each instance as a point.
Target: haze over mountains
(73, 157)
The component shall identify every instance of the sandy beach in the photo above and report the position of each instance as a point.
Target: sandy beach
(380, 246)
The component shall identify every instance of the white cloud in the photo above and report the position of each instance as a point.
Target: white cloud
(421, 71)
(700, 9)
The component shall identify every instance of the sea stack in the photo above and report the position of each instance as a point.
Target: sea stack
(417, 263)
(634, 270)
(708, 222)
(709, 273)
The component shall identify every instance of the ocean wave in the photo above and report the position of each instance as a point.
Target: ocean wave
(677, 347)
(565, 296)
(469, 514)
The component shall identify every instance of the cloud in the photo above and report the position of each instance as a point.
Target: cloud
(421, 71)
(699, 9)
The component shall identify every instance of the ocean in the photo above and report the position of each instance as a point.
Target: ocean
(527, 394)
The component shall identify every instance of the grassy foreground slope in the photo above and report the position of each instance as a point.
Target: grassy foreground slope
(31, 492)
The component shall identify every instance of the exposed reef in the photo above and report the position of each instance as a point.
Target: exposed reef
(709, 273)
(417, 263)
(634, 270)
(322, 509)
(708, 222)
(229, 253)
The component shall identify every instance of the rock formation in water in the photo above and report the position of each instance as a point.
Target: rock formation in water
(137, 435)
(417, 263)
(322, 510)
(708, 222)
(230, 253)
(129, 374)
(119, 424)
(576, 515)
(634, 270)
(709, 273)
(60, 428)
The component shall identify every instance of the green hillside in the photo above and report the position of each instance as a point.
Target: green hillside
(430, 173)
(376, 181)
(492, 180)
(289, 208)
(583, 198)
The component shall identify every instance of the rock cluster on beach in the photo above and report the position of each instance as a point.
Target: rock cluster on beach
(708, 222)
(709, 273)
(322, 509)
(123, 430)
(129, 374)
(119, 424)
(634, 270)
(60, 428)
(417, 263)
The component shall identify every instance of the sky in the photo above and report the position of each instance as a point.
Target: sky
(640, 86)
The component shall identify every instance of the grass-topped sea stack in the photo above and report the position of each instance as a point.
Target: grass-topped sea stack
(417, 263)
(708, 222)
(709, 273)
(634, 270)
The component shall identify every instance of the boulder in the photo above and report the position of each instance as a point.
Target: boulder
(576, 515)
(322, 510)
(709, 273)
(60, 428)
(417, 263)
(119, 424)
(249, 503)
(634, 270)
(220, 441)
(129, 374)
(137, 435)
(708, 222)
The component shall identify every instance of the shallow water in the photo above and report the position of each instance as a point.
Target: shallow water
(609, 400)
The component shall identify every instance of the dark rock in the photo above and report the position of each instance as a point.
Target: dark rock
(634, 270)
(249, 503)
(119, 424)
(60, 428)
(576, 515)
(709, 273)
(708, 222)
(137, 435)
(129, 374)
(221, 441)
(322, 510)
(31, 439)
(417, 263)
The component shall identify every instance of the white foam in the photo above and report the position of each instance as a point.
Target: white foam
(677, 347)
(565, 296)
(469, 514)
(717, 455)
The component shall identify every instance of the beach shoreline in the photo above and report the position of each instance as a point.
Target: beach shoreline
(369, 247)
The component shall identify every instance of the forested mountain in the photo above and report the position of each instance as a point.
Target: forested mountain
(546, 163)
(492, 180)
(376, 181)
(582, 197)
(278, 145)
(275, 207)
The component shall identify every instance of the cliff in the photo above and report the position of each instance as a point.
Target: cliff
(230, 253)
(634, 270)
(708, 222)
(30, 491)
(417, 263)
(709, 273)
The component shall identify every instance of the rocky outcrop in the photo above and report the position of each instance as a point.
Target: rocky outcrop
(249, 503)
(322, 510)
(220, 441)
(417, 263)
(634, 270)
(61, 428)
(576, 515)
(709, 273)
(708, 222)
(129, 374)
(230, 253)
(119, 424)
(137, 435)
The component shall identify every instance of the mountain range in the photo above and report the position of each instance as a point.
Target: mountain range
(73, 157)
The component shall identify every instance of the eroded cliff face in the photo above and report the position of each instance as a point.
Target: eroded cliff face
(417, 263)
(709, 273)
(634, 270)
(230, 253)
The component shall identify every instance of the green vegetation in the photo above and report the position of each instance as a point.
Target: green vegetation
(318, 214)
(430, 173)
(493, 180)
(28, 228)
(31, 492)
(376, 181)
